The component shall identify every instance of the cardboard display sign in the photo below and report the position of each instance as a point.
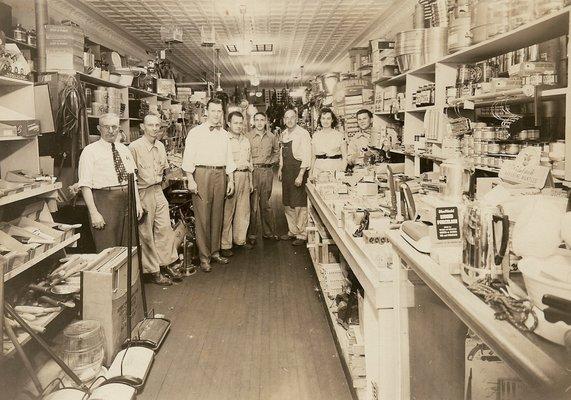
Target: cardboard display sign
(447, 223)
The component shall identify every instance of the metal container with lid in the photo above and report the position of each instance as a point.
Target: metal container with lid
(20, 34)
(512, 148)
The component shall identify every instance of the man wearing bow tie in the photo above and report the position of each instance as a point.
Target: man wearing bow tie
(209, 167)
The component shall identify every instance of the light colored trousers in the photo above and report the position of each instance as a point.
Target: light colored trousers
(296, 218)
(260, 202)
(158, 246)
(209, 210)
(237, 212)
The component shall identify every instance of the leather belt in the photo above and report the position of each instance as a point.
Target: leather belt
(323, 157)
(263, 165)
(110, 188)
(211, 166)
(242, 170)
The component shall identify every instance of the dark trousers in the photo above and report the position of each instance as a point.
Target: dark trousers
(260, 203)
(209, 210)
(112, 205)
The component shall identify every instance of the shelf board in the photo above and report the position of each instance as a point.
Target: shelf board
(12, 138)
(12, 198)
(141, 92)
(540, 30)
(489, 169)
(394, 81)
(23, 267)
(25, 337)
(420, 109)
(6, 81)
(26, 45)
(548, 93)
(98, 81)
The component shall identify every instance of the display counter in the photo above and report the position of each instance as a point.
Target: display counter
(415, 319)
(538, 362)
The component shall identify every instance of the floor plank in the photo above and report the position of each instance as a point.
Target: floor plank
(252, 329)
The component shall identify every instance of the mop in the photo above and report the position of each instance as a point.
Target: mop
(151, 331)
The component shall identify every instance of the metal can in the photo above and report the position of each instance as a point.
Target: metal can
(20, 34)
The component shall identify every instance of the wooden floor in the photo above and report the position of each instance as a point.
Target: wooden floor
(252, 329)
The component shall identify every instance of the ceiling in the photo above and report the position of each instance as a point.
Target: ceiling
(314, 34)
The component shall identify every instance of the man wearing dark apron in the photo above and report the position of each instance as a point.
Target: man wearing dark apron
(295, 160)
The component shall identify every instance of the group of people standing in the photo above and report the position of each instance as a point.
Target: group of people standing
(229, 173)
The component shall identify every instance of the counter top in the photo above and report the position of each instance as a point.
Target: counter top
(361, 265)
(537, 361)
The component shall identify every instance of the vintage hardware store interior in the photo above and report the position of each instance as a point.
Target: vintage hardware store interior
(247, 199)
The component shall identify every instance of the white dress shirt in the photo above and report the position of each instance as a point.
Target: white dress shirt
(241, 151)
(96, 167)
(206, 147)
(301, 145)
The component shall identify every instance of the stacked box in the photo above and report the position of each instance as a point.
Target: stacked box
(356, 351)
(332, 276)
(64, 47)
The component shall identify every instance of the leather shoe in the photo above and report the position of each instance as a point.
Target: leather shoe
(226, 253)
(219, 259)
(298, 242)
(252, 241)
(274, 237)
(247, 246)
(205, 267)
(159, 279)
(287, 237)
(172, 272)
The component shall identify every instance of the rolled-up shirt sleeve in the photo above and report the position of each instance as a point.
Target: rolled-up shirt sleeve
(305, 151)
(85, 171)
(188, 159)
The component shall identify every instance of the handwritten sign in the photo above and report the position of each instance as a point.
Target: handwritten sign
(525, 169)
(447, 224)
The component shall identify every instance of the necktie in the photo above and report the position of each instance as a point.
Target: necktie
(119, 166)
(217, 127)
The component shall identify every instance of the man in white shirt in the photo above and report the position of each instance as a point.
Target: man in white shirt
(295, 161)
(237, 207)
(359, 149)
(209, 167)
(158, 247)
(103, 168)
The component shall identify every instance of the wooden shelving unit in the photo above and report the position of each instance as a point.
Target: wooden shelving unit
(442, 73)
(28, 193)
(34, 261)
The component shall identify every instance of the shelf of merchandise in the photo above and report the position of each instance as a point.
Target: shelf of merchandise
(441, 72)
(20, 43)
(23, 338)
(26, 194)
(141, 92)
(98, 81)
(23, 267)
(488, 169)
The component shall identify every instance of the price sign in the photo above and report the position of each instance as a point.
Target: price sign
(447, 223)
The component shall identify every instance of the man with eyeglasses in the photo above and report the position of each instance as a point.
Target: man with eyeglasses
(209, 167)
(159, 253)
(103, 168)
